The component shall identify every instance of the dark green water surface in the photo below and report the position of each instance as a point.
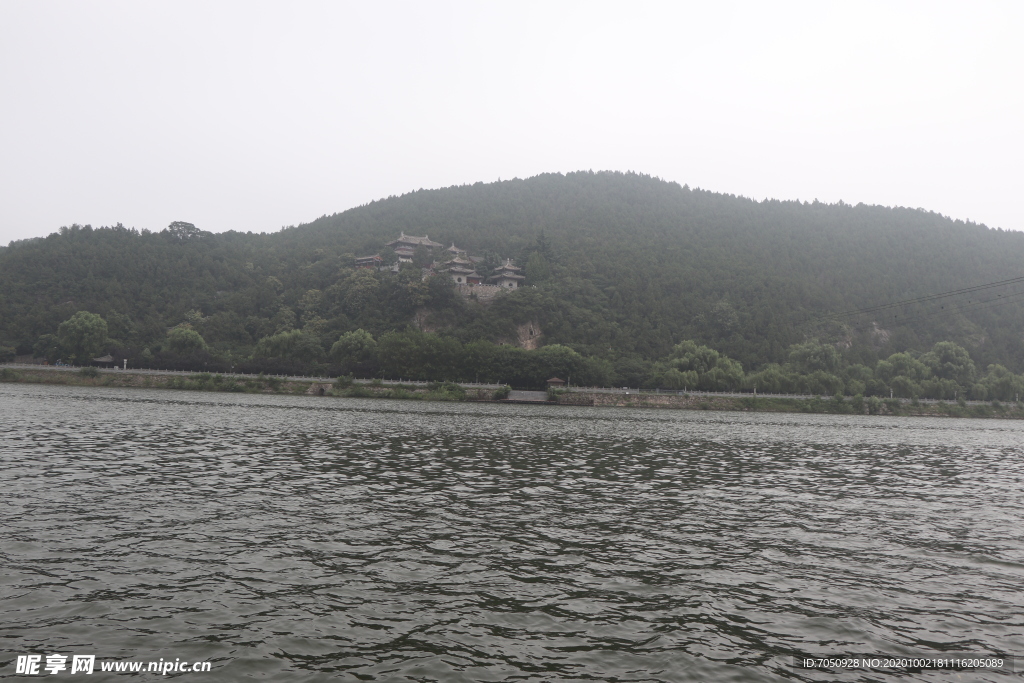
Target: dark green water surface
(308, 539)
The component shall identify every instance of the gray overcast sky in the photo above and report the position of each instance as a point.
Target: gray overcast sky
(254, 115)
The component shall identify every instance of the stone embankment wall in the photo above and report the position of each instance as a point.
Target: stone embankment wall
(483, 293)
(793, 405)
(169, 380)
(574, 398)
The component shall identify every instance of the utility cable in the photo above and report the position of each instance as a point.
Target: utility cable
(962, 308)
(923, 299)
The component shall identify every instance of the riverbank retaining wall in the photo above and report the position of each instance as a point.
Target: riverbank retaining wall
(319, 387)
(790, 405)
(638, 400)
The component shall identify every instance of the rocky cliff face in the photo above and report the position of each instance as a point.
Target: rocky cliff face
(528, 335)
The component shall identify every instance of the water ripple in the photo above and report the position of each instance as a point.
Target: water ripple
(301, 538)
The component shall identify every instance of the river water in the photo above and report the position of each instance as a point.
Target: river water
(303, 538)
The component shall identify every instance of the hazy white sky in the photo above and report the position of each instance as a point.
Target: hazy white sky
(254, 115)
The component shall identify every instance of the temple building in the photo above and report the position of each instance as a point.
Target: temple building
(453, 261)
(462, 272)
(369, 262)
(507, 276)
(405, 246)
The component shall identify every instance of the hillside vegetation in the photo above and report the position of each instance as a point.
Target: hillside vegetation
(630, 281)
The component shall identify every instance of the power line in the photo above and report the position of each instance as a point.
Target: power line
(920, 299)
(975, 306)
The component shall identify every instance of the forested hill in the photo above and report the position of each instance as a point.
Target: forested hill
(620, 267)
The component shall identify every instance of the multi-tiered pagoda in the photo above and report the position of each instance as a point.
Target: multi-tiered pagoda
(507, 276)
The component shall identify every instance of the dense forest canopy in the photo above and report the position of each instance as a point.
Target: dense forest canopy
(623, 271)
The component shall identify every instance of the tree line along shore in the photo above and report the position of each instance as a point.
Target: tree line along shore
(945, 372)
(346, 387)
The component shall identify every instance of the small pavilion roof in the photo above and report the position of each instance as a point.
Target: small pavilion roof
(507, 276)
(508, 266)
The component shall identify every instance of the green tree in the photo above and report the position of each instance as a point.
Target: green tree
(355, 351)
(905, 365)
(560, 361)
(674, 378)
(998, 384)
(632, 371)
(48, 347)
(543, 244)
(311, 303)
(293, 344)
(688, 355)
(284, 320)
(401, 355)
(185, 340)
(772, 379)
(183, 231)
(315, 327)
(422, 257)
(537, 268)
(82, 336)
(713, 370)
(812, 356)
(274, 284)
(361, 290)
(416, 355)
(951, 361)
(821, 383)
